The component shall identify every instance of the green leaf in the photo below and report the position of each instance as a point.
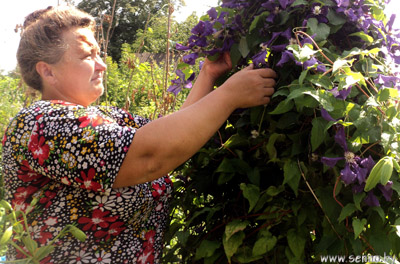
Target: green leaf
(235, 226)
(283, 107)
(358, 226)
(264, 244)
(236, 141)
(257, 19)
(321, 81)
(357, 198)
(272, 153)
(299, 2)
(29, 243)
(380, 173)
(321, 30)
(296, 242)
(77, 233)
(340, 64)
(347, 211)
(243, 47)
(303, 75)
(226, 166)
(302, 54)
(324, 98)
(206, 249)
(232, 244)
(43, 252)
(385, 94)
(292, 175)
(335, 19)
(6, 236)
(251, 193)
(318, 132)
(363, 36)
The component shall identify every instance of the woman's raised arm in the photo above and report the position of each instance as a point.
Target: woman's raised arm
(164, 144)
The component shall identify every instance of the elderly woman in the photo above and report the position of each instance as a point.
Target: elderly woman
(101, 168)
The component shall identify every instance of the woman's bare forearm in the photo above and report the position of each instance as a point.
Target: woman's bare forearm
(164, 144)
(203, 86)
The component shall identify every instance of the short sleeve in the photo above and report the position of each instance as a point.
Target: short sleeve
(80, 147)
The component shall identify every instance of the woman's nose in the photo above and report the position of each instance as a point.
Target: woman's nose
(100, 65)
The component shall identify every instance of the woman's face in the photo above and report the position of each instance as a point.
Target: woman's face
(78, 76)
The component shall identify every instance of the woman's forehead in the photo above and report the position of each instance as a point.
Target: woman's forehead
(83, 37)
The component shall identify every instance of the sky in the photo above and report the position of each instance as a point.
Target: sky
(12, 12)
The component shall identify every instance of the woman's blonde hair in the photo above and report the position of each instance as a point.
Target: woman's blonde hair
(42, 39)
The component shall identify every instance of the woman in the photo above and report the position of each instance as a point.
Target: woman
(101, 168)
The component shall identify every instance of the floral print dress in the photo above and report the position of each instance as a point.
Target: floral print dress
(67, 156)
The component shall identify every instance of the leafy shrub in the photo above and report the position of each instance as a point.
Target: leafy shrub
(315, 172)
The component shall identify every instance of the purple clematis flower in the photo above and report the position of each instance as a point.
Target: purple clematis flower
(371, 199)
(326, 115)
(386, 190)
(342, 94)
(387, 81)
(190, 58)
(355, 169)
(179, 83)
(181, 47)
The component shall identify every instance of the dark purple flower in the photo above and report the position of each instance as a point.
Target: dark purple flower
(201, 63)
(386, 190)
(286, 56)
(326, 115)
(179, 83)
(181, 47)
(203, 28)
(371, 199)
(331, 162)
(340, 137)
(367, 163)
(342, 3)
(387, 81)
(352, 170)
(212, 13)
(319, 12)
(190, 58)
(260, 59)
(313, 61)
(342, 94)
(358, 188)
(347, 174)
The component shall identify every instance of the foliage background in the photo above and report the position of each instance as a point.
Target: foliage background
(258, 191)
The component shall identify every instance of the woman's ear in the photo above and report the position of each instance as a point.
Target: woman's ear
(46, 72)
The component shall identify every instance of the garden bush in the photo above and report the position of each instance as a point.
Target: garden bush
(315, 172)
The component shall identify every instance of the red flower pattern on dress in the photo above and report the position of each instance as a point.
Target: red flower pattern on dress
(158, 190)
(26, 174)
(107, 226)
(46, 260)
(24, 192)
(47, 198)
(4, 139)
(93, 119)
(147, 256)
(40, 150)
(98, 219)
(113, 230)
(44, 236)
(87, 182)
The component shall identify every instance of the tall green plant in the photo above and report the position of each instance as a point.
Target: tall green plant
(314, 173)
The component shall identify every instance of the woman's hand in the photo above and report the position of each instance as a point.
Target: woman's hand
(209, 73)
(249, 87)
(215, 69)
(162, 145)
